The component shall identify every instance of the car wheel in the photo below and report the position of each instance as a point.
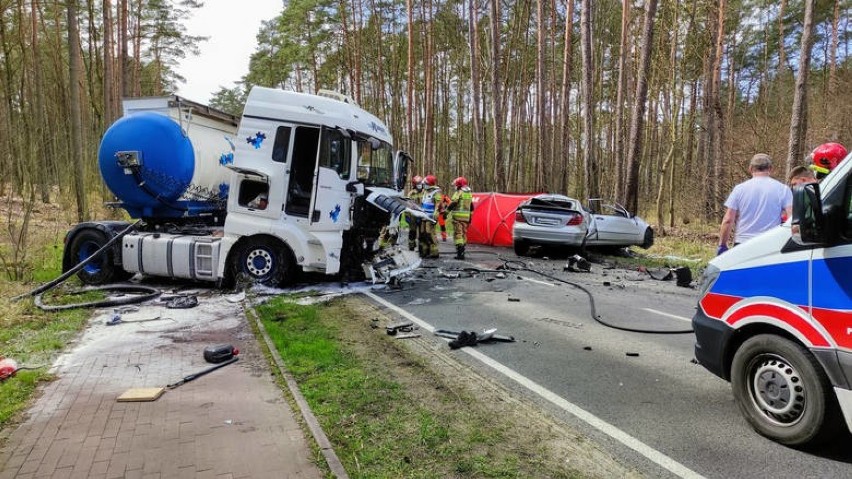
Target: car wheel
(521, 247)
(101, 270)
(264, 261)
(783, 392)
(648, 239)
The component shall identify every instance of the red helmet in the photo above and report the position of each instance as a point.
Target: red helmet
(460, 182)
(827, 156)
(430, 180)
(416, 180)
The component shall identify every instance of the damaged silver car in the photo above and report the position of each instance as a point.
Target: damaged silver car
(557, 220)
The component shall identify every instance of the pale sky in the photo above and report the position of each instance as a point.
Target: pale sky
(232, 27)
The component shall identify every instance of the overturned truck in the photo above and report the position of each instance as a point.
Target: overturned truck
(299, 183)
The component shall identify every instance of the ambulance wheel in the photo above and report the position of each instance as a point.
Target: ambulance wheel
(783, 391)
(262, 260)
(101, 270)
(521, 247)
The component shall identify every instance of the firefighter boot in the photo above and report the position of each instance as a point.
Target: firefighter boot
(459, 251)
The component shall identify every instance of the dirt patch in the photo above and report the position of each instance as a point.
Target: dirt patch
(428, 372)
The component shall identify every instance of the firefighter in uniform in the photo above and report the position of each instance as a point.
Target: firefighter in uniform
(462, 206)
(430, 204)
(415, 195)
(826, 157)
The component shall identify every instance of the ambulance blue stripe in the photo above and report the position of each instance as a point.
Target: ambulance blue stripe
(786, 281)
(833, 289)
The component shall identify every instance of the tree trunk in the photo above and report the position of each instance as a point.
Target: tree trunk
(637, 122)
(590, 183)
(109, 106)
(832, 55)
(798, 121)
(718, 132)
(565, 96)
(475, 83)
(619, 104)
(543, 158)
(409, 96)
(499, 179)
(74, 76)
(782, 52)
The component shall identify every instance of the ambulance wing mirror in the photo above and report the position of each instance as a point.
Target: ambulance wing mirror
(808, 221)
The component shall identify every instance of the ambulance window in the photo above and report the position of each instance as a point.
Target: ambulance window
(847, 231)
(282, 144)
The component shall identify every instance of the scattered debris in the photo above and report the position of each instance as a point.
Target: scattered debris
(587, 348)
(197, 375)
(8, 368)
(403, 327)
(141, 395)
(408, 336)
(632, 355)
(220, 353)
(485, 337)
(450, 275)
(514, 300)
(464, 338)
(236, 298)
(577, 263)
(607, 283)
(182, 302)
(500, 275)
(693, 361)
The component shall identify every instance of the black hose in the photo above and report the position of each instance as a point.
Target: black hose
(64, 276)
(149, 293)
(595, 315)
(197, 375)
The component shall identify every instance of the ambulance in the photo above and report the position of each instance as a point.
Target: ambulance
(774, 318)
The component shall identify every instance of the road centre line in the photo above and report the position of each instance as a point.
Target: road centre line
(650, 453)
(673, 316)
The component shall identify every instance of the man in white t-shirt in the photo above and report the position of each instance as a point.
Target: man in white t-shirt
(756, 205)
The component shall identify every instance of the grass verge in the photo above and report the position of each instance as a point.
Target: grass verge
(388, 413)
(33, 339)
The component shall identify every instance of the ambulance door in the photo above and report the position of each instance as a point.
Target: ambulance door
(331, 205)
(831, 278)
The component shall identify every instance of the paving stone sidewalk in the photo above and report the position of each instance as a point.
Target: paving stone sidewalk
(231, 423)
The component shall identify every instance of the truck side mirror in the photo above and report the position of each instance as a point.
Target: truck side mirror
(355, 187)
(808, 220)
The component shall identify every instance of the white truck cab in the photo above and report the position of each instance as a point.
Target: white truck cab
(774, 318)
(312, 181)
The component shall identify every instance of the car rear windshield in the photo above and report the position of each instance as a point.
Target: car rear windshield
(552, 203)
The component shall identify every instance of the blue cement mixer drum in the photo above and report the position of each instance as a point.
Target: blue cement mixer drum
(165, 158)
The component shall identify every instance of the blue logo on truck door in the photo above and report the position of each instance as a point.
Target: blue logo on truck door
(335, 213)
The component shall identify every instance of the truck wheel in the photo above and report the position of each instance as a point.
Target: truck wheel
(783, 392)
(101, 270)
(264, 261)
(521, 247)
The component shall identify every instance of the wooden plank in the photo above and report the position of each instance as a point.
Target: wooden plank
(141, 394)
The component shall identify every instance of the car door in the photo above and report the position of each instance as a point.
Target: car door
(614, 226)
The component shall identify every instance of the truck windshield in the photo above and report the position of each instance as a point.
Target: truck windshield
(375, 166)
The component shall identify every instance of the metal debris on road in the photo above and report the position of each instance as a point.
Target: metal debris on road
(408, 336)
(403, 327)
(632, 355)
(515, 300)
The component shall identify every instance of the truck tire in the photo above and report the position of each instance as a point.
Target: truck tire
(101, 270)
(521, 247)
(262, 260)
(783, 391)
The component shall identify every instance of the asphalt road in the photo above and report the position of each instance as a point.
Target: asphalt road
(639, 395)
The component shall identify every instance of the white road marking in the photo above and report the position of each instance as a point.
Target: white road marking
(539, 281)
(673, 316)
(652, 454)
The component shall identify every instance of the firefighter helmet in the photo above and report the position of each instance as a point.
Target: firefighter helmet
(430, 180)
(416, 180)
(460, 182)
(827, 156)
